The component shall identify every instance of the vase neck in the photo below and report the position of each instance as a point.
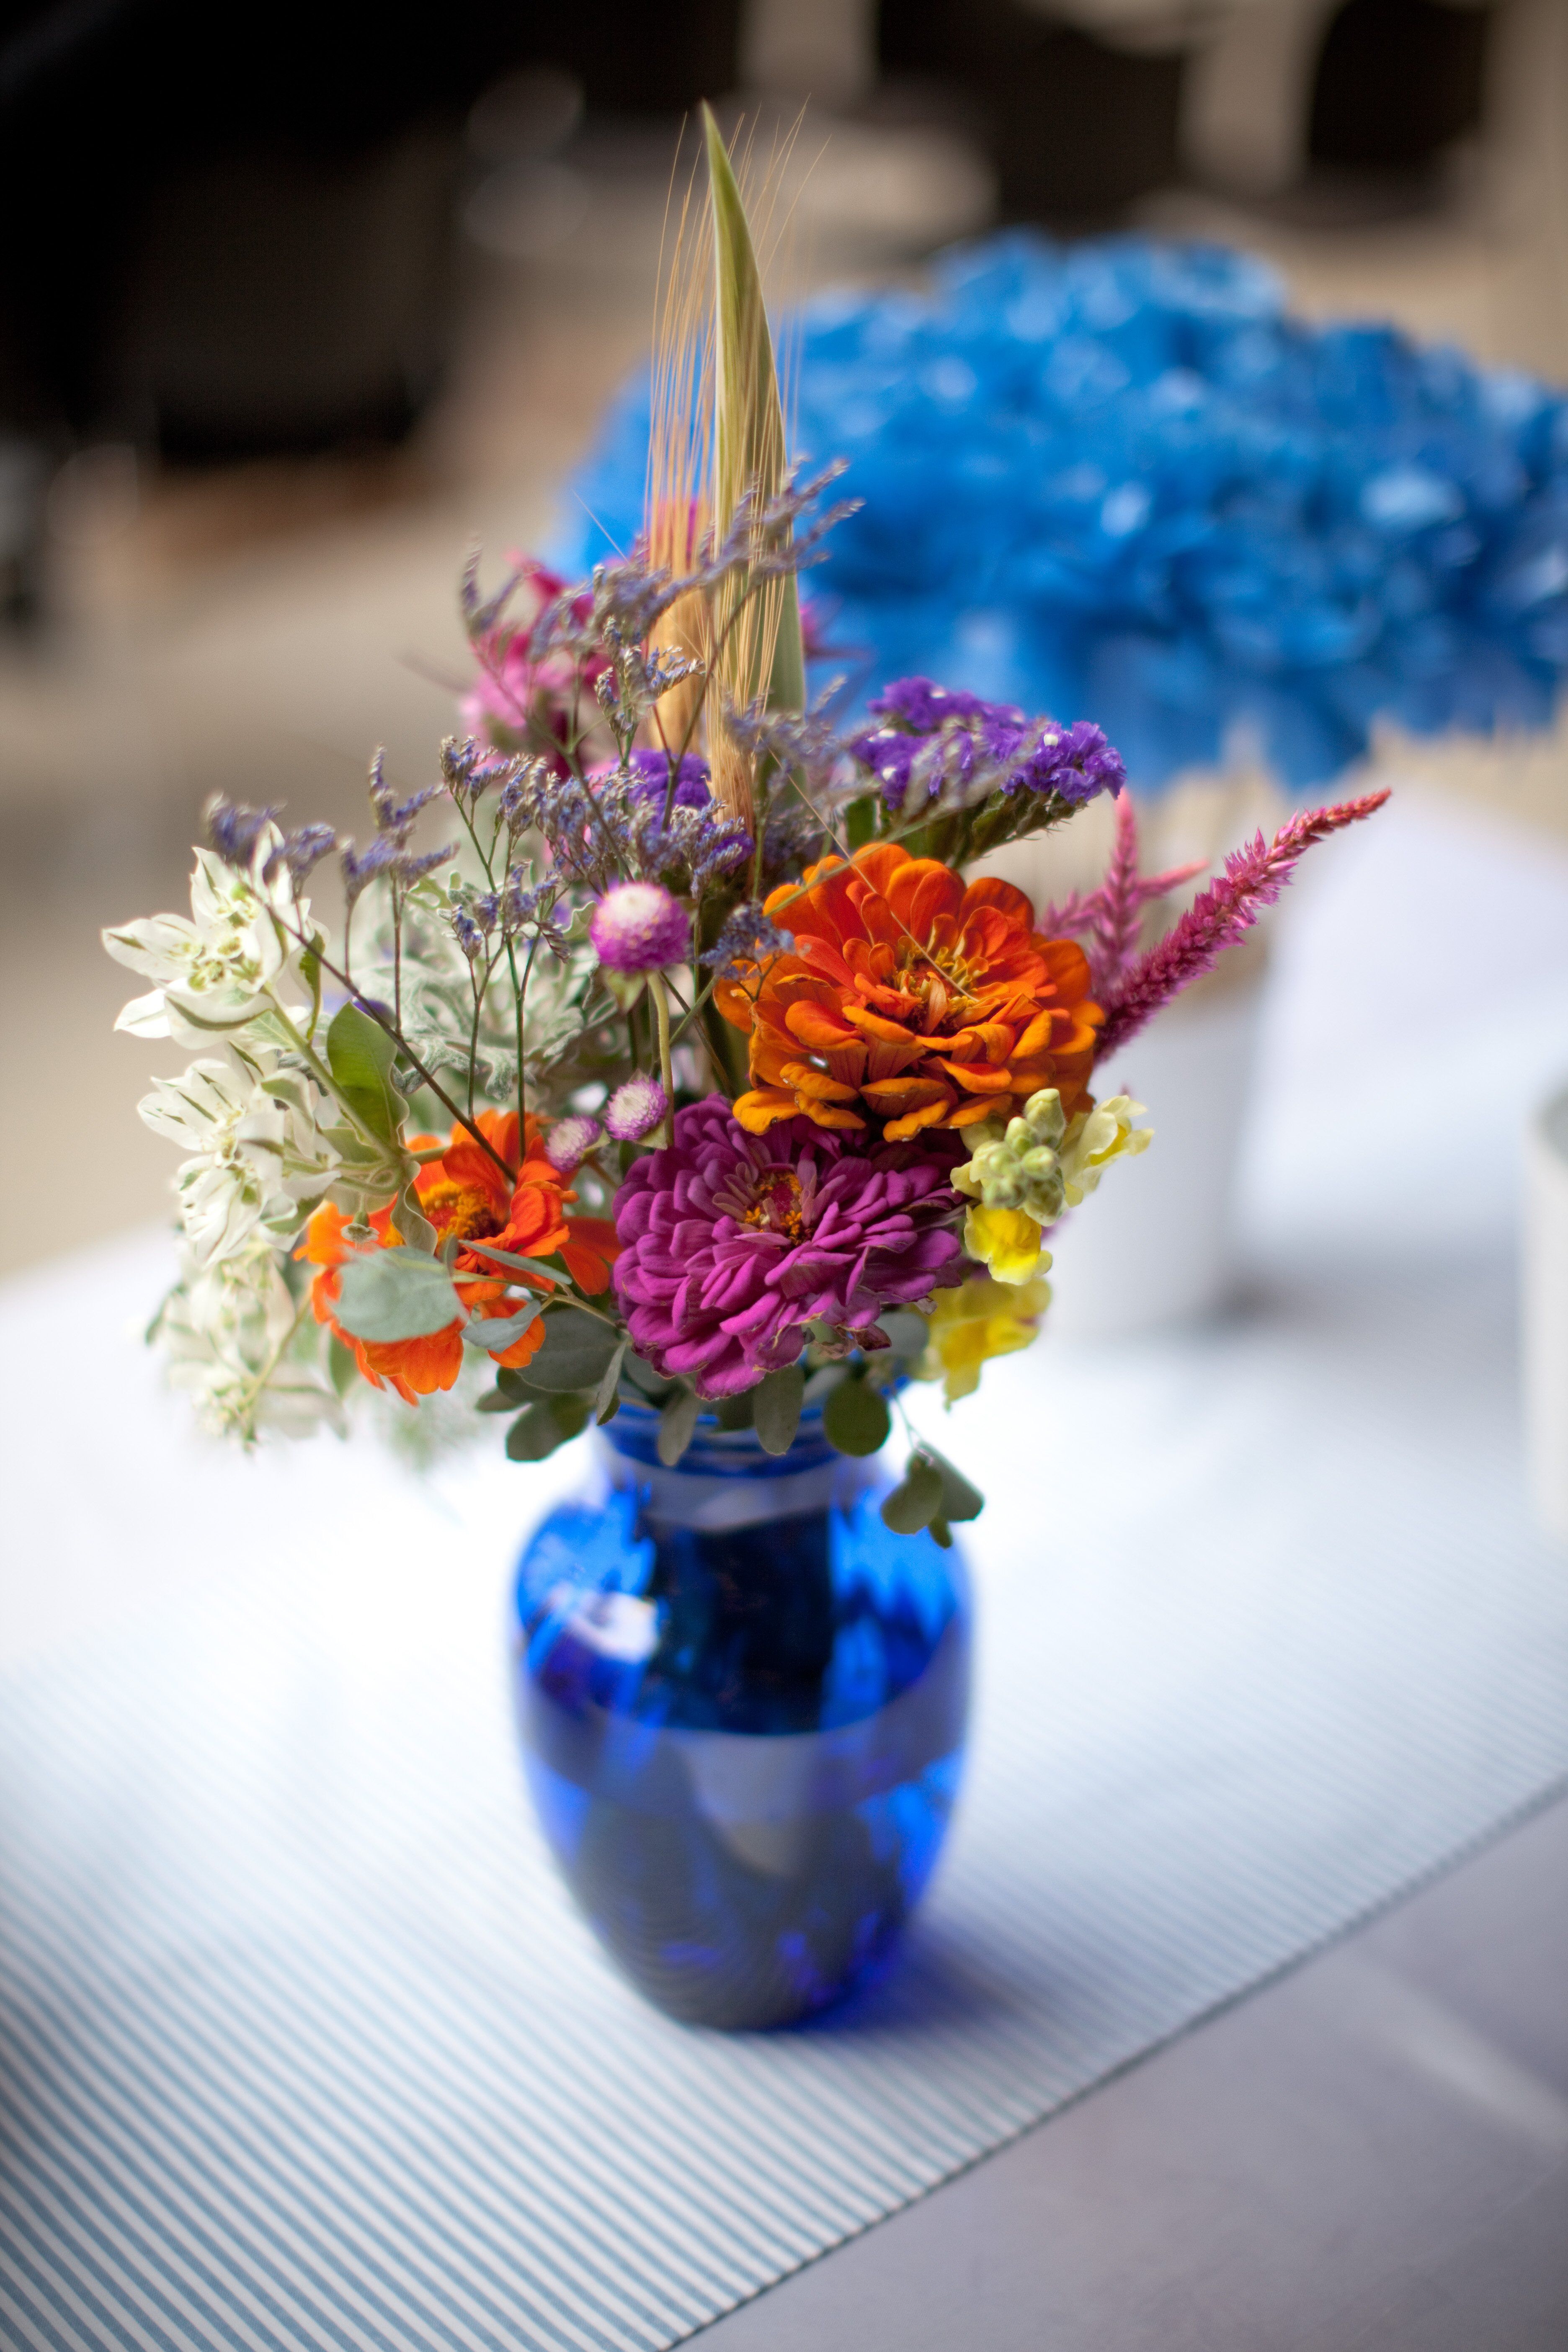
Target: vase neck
(725, 1479)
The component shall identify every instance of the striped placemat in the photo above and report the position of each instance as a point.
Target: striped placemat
(303, 2047)
(300, 2045)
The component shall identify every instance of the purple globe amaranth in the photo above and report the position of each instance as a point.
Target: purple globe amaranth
(570, 1140)
(1036, 755)
(732, 1244)
(638, 927)
(636, 1108)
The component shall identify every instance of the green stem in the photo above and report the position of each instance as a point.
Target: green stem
(656, 989)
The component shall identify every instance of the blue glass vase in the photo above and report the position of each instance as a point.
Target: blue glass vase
(742, 1704)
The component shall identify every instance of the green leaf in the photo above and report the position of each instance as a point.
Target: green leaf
(941, 1534)
(855, 1419)
(493, 1333)
(311, 972)
(496, 1399)
(678, 1426)
(916, 1500)
(643, 1380)
(396, 1294)
(550, 1422)
(775, 1408)
(626, 987)
(860, 823)
(960, 1500)
(510, 1384)
(342, 1368)
(360, 1056)
(522, 1265)
(734, 1411)
(607, 1396)
(577, 1351)
(909, 1333)
(410, 1220)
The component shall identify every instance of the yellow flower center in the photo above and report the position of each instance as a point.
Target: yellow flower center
(776, 1209)
(462, 1210)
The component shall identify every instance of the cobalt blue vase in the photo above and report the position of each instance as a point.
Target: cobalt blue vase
(742, 1704)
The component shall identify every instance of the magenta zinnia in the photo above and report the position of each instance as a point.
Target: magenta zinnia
(732, 1244)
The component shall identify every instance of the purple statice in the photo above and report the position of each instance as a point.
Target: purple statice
(956, 748)
(636, 1108)
(733, 1245)
(570, 1140)
(650, 773)
(638, 927)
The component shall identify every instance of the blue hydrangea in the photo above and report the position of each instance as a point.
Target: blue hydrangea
(1118, 481)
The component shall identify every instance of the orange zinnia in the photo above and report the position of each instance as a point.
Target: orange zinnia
(464, 1196)
(912, 999)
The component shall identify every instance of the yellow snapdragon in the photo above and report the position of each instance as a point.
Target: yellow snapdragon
(979, 1320)
(1021, 1177)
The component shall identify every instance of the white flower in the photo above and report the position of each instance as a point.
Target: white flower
(220, 970)
(257, 1149)
(247, 1357)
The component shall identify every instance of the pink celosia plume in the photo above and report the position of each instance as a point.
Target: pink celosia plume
(1110, 916)
(1253, 880)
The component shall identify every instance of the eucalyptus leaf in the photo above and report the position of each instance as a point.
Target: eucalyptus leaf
(909, 1334)
(342, 1368)
(678, 1425)
(492, 1333)
(577, 1351)
(960, 1500)
(856, 1418)
(510, 1384)
(520, 1264)
(775, 1408)
(496, 1399)
(916, 1500)
(607, 1396)
(360, 1056)
(410, 1220)
(550, 1422)
(396, 1294)
(643, 1382)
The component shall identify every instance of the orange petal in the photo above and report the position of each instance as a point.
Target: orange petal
(762, 1109)
(815, 1083)
(979, 1078)
(823, 1114)
(527, 1344)
(899, 1130)
(817, 1027)
(978, 1107)
(890, 1095)
(1007, 900)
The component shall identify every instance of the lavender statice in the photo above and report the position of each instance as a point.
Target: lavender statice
(748, 936)
(956, 749)
(611, 826)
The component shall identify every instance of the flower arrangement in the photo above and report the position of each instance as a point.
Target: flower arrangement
(696, 1069)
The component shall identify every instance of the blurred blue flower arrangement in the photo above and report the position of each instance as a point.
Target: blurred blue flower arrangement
(1117, 478)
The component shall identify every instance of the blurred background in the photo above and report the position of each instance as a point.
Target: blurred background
(295, 310)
